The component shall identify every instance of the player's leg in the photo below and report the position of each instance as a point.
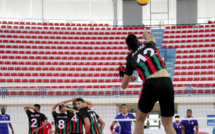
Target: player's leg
(121, 74)
(139, 124)
(167, 124)
(166, 101)
(145, 105)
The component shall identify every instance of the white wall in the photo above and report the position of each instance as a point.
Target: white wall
(206, 8)
(90, 9)
(160, 6)
(58, 9)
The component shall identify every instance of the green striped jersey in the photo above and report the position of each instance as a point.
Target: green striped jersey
(76, 124)
(61, 122)
(35, 120)
(146, 60)
(93, 117)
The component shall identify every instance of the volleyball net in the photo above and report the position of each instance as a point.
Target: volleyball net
(107, 98)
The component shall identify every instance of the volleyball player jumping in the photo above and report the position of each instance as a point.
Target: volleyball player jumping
(157, 85)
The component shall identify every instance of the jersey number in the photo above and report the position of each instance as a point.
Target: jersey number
(74, 118)
(141, 57)
(61, 124)
(93, 115)
(34, 121)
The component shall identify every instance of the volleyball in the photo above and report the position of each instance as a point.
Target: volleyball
(143, 2)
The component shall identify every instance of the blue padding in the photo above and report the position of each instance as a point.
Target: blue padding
(166, 53)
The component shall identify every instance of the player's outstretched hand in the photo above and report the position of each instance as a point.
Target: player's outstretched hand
(133, 78)
(145, 35)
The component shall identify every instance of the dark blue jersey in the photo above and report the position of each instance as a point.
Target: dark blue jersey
(116, 129)
(125, 126)
(178, 127)
(4, 126)
(189, 126)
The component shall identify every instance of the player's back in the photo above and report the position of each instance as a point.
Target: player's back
(4, 126)
(93, 117)
(61, 122)
(35, 121)
(76, 124)
(146, 60)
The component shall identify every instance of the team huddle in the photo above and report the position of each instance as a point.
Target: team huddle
(78, 119)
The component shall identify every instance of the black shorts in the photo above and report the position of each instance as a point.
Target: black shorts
(121, 73)
(157, 89)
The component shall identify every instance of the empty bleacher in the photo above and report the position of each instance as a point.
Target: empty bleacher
(194, 56)
(63, 53)
(49, 53)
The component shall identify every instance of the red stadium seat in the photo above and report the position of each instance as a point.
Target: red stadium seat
(94, 92)
(136, 92)
(207, 91)
(28, 93)
(21, 93)
(13, 93)
(122, 92)
(102, 93)
(58, 93)
(65, 93)
(72, 93)
(51, 93)
(87, 93)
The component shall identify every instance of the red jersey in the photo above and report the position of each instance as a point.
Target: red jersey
(47, 128)
(121, 68)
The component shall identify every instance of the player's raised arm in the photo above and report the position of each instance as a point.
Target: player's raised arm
(27, 107)
(148, 37)
(89, 104)
(55, 106)
(71, 110)
(70, 100)
(102, 124)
